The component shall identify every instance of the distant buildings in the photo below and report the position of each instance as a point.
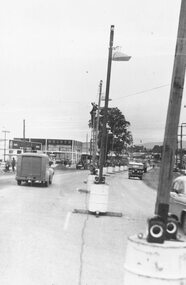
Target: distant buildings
(60, 149)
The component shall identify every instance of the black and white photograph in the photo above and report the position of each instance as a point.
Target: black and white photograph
(92, 142)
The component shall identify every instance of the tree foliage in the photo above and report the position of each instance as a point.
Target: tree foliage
(119, 137)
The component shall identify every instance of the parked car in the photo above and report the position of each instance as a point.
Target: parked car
(135, 169)
(177, 204)
(34, 167)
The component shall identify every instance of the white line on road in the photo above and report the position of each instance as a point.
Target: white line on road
(67, 221)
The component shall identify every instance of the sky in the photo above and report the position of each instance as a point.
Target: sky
(53, 54)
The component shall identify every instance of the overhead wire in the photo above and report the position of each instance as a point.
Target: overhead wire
(141, 92)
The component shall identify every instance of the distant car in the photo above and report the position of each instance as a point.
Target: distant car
(177, 204)
(135, 169)
(80, 165)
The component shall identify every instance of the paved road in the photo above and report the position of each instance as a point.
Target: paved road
(42, 242)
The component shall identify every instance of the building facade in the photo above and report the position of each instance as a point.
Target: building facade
(60, 149)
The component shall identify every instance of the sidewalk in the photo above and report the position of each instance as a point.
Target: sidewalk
(4, 174)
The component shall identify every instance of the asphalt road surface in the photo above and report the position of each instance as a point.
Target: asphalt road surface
(42, 242)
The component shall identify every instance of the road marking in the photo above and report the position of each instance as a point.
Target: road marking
(67, 221)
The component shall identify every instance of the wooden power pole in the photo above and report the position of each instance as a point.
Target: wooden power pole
(97, 124)
(173, 115)
(104, 132)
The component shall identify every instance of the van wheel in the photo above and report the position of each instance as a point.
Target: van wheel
(18, 182)
(46, 183)
(184, 224)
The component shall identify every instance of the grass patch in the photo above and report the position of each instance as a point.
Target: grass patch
(151, 178)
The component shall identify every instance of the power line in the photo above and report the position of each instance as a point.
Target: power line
(141, 92)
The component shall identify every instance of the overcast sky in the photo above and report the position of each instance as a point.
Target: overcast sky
(53, 54)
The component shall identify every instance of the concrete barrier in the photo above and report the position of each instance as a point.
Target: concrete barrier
(110, 169)
(104, 170)
(125, 168)
(116, 169)
(155, 263)
(98, 200)
(121, 168)
(90, 181)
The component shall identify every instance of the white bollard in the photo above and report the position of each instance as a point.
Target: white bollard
(116, 168)
(155, 263)
(110, 169)
(121, 168)
(90, 181)
(98, 200)
(104, 170)
(125, 168)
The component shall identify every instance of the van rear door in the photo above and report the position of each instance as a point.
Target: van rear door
(31, 166)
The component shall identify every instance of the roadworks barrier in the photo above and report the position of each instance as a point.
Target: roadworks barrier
(154, 263)
(98, 199)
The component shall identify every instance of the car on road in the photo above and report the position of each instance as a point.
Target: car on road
(34, 167)
(135, 169)
(177, 203)
(81, 165)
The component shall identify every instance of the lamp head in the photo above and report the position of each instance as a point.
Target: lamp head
(119, 56)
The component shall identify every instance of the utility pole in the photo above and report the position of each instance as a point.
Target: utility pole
(24, 143)
(181, 147)
(104, 132)
(172, 121)
(97, 123)
(87, 144)
(24, 129)
(5, 132)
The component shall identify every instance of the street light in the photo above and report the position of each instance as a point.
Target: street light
(116, 56)
(120, 56)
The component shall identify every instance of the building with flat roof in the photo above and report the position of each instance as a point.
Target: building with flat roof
(60, 149)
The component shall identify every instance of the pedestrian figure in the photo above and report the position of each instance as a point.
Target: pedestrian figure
(13, 164)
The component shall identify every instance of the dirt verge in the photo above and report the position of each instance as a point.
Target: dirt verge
(151, 177)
